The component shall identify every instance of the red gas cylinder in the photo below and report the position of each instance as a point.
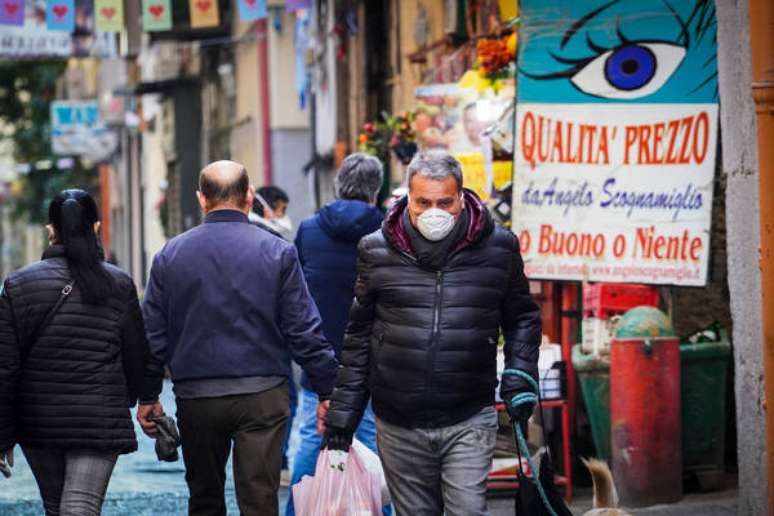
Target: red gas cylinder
(645, 423)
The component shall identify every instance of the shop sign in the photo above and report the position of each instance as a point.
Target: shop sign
(616, 132)
(76, 130)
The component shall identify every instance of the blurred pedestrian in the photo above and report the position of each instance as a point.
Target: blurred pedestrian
(226, 308)
(270, 211)
(72, 358)
(435, 288)
(327, 248)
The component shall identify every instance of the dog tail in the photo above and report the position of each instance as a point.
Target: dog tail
(605, 495)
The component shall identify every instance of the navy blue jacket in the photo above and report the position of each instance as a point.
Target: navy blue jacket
(327, 248)
(227, 299)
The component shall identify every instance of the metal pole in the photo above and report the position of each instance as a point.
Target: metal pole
(262, 34)
(762, 42)
(105, 211)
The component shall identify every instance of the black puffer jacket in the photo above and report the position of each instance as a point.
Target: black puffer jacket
(424, 342)
(75, 386)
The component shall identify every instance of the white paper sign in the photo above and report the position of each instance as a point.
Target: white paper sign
(615, 192)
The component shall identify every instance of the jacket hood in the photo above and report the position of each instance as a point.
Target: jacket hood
(349, 220)
(480, 224)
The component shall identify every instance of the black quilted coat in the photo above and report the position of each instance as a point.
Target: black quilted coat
(423, 342)
(74, 388)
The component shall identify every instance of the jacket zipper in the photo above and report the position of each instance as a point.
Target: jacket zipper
(437, 307)
(436, 330)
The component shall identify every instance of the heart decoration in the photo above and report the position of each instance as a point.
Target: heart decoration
(11, 8)
(108, 12)
(204, 6)
(252, 10)
(156, 10)
(60, 10)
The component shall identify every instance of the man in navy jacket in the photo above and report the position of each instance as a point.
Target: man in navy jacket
(327, 248)
(226, 309)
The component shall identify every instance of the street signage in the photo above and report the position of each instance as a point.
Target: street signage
(616, 132)
(77, 130)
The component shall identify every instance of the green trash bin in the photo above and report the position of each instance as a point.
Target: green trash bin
(704, 382)
(594, 377)
(704, 370)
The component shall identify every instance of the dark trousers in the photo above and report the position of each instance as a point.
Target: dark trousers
(255, 423)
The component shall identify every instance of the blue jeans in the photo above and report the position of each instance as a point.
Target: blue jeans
(306, 456)
(293, 397)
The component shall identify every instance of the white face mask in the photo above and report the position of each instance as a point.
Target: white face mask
(435, 224)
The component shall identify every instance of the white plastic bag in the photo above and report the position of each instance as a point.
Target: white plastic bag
(344, 484)
(373, 464)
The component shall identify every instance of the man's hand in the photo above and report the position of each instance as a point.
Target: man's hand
(146, 411)
(322, 412)
(6, 462)
(337, 439)
(521, 413)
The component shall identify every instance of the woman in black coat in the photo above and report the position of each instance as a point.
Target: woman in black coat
(72, 355)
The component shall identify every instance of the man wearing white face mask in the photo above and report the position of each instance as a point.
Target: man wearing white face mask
(435, 288)
(270, 211)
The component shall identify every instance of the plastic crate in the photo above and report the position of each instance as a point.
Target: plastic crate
(602, 300)
(553, 382)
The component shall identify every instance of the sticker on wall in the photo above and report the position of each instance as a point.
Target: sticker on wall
(60, 15)
(204, 13)
(12, 12)
(251, 10)
(156, 15)
(109, 15)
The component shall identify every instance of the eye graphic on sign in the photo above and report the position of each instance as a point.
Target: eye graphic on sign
(630, 71)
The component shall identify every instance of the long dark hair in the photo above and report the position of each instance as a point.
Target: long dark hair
(73, 214)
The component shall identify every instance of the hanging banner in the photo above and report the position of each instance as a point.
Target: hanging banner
(60, 15)
(616, 136)
(156, 15)
(12, 12)
(204, 13)
(297, 5)
(251, 10)
(109, 15)
(35, 39)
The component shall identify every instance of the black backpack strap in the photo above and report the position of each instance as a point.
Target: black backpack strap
(47, 319)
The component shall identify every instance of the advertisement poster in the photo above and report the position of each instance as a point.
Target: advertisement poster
(453, 118)
(35, 39)
(616, 132)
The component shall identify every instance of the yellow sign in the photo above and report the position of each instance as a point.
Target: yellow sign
(204, 13)
(474, 173)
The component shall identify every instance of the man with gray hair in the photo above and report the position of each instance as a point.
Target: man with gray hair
(327, 248)
(435, 288)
